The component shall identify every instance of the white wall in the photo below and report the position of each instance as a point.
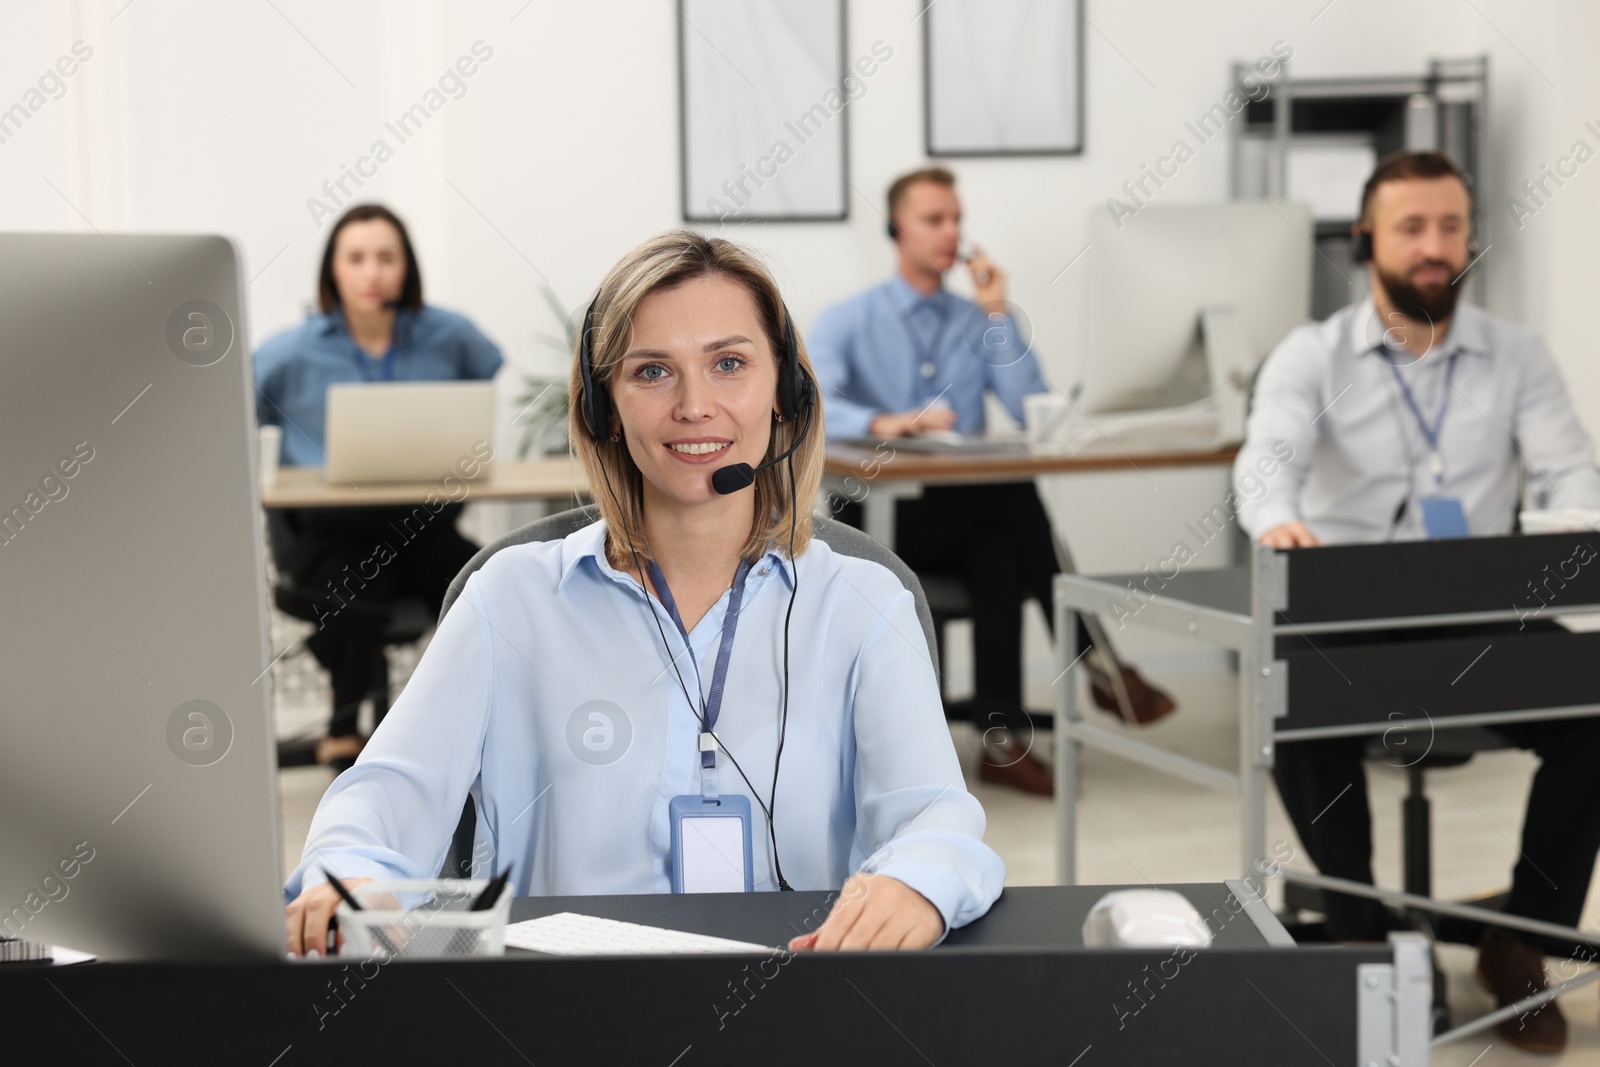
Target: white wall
(204, 116)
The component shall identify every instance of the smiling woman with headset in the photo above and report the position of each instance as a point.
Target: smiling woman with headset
(691, 693)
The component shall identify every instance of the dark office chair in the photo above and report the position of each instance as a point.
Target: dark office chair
(407, 621)
(948, 599)
(845, 540)
(1444, 750)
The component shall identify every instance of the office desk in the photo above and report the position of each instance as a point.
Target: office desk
(877, 474)
(1015, 987)
(552, 478)
(1373, 688)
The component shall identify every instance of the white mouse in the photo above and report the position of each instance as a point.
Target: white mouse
(1145, 918)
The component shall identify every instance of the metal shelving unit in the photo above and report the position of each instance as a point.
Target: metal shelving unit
(1443, 109)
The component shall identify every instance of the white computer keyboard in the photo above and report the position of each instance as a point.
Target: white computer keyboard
(570, 934)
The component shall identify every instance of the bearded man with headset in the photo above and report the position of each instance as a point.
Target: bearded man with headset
(1410, 416)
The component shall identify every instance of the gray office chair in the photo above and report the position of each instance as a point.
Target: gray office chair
(845, 540)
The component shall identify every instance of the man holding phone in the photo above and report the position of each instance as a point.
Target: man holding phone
(909, 357)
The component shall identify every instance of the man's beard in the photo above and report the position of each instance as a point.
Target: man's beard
(1433, 303)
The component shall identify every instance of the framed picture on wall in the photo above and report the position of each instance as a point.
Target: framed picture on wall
(764, 125)
(1003, 77)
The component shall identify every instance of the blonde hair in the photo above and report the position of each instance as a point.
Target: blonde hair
(664, 262)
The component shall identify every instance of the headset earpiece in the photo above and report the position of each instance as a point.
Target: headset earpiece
(796, 390)
(596, 404)
(892, 230)
(1363, 245)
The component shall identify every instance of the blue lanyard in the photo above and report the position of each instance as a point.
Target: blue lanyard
(927, 356)
(386, 364)
(709, 706)
(1436, 461)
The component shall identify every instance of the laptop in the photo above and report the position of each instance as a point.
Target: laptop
(406, 431)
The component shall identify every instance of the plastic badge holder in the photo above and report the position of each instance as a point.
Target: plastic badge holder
(424, 919)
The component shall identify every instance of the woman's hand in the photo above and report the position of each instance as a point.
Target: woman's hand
(875, 911)
(306, 917)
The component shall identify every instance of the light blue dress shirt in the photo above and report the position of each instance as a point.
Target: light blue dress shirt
(294, 369)
(1327, 394)
(891, 349)
(548, 694)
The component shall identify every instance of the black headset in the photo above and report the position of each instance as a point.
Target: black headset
(1363, 247)
(796, 389)
(892, 230)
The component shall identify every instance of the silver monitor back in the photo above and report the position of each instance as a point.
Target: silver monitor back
(1152, 275)
(138, 811)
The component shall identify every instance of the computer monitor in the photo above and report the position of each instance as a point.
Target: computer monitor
(1185, 301)
(137, 771)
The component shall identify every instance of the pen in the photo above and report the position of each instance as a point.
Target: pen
(338, 887)
(491, 892)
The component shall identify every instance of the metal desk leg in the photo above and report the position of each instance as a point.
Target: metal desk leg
(1254, 763)
(1262, 691)
(1098, 637)
(877, 514)
(878, 507)
(1068, 748)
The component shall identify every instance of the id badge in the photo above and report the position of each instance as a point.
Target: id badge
(711, 844)
(1442, 517)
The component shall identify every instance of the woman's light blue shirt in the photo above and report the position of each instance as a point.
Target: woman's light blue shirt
(548, 694)
(293, 369)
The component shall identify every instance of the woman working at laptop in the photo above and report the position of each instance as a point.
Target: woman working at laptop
(693, 657)
(344, 568)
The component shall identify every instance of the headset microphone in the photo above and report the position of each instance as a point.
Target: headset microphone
(391, 305)
(737, 476)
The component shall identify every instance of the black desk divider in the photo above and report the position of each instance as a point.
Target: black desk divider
(1336, 583)
(1378, 684)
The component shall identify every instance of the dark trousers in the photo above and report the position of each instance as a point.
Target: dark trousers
(1560, 832)
(996, 538)
(348, 568)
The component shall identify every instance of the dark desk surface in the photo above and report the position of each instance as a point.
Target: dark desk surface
(1037, 917)
(1012, 988)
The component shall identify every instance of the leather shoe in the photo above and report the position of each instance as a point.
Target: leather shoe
(1018, 768)
(1149, 703)
(1512, 969)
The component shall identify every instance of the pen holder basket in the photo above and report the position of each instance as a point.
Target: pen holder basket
(424, 918)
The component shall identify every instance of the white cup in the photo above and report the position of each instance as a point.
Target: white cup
(1044, 416)
(271, 443)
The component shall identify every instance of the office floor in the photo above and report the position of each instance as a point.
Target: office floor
(1140, 826)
